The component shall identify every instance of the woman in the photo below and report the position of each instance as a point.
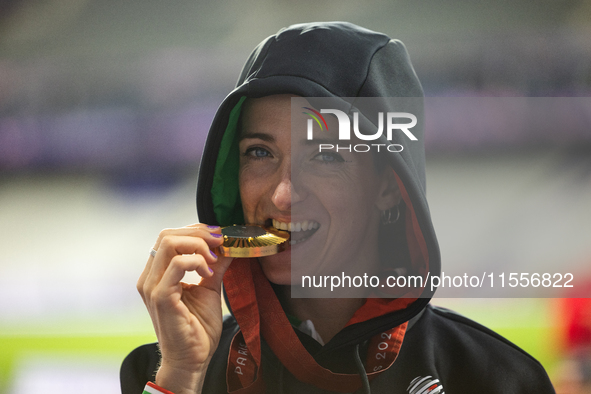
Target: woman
(363, 213)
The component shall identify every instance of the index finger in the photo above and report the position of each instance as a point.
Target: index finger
(207, 232)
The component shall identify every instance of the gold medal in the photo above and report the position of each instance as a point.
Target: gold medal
(252, 240)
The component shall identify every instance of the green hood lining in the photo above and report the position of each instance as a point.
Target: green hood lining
(225, 192)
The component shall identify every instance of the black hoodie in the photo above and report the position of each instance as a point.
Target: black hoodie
(441, 351)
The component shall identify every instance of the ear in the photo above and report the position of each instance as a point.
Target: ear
(388, 194)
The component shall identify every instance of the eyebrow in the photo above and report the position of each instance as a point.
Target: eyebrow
(261, 136)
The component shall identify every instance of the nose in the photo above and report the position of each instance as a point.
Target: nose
(285, 194)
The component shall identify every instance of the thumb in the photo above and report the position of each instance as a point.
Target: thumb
(219, 269)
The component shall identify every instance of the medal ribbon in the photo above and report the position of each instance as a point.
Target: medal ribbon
(244, 372)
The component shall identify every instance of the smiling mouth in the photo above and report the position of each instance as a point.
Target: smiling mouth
(299, 231)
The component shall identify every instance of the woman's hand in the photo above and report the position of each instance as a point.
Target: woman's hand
(187, 318)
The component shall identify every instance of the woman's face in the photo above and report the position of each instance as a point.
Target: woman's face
(331, 201)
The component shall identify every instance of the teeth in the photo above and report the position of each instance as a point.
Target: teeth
(297, 226)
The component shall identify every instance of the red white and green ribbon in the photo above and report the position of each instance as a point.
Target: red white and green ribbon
(152, 388)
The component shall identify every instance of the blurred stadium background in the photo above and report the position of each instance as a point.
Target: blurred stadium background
(104, 106)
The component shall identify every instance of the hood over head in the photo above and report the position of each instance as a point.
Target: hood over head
(338, 60)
